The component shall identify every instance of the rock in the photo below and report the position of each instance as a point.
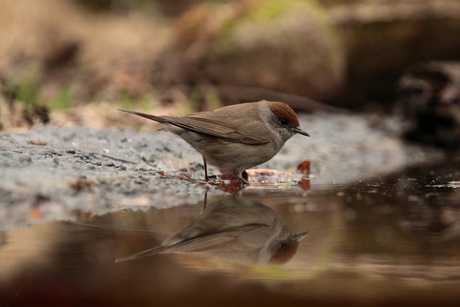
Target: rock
(25, 159)
(383, 38)
(429, 101)
(286, 46)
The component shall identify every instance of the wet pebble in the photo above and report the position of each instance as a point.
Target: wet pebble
(25, 159)
(150, 158)
(6, 154)
(34, 152)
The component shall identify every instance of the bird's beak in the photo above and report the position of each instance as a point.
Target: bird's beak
(300, 131)
(299, 237)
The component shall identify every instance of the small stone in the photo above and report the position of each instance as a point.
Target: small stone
(110, 164)
(123, 168)
(7, 154)
(25, 159)
(56, 161)
(97, 163)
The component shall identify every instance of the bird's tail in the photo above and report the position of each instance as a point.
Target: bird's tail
(149, 116)
(149, 252)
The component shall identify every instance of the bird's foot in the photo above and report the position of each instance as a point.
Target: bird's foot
(234, 179)
(232, 183)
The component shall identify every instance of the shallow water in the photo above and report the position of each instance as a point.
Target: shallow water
(392, 240)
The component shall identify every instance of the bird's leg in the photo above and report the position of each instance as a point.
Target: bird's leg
(244, 177)
(205, 201)
(243, 180)
(206, 178)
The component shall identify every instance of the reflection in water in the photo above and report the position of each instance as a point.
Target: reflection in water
(429, 218)
(392, 241)
(233, 229)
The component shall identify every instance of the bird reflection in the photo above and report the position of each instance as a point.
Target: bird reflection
(233, 229)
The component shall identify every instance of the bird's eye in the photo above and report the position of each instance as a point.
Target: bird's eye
(284, 246)
(284, 121)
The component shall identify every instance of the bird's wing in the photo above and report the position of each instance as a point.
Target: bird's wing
(210, 123)
(214, 240)
(216, 128)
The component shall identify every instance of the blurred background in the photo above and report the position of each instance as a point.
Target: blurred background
(65, 62)
(393, 241)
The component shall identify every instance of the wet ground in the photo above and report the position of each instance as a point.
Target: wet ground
(383, 223)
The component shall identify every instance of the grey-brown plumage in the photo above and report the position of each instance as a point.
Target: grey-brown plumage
(233, 229)
(235, 138)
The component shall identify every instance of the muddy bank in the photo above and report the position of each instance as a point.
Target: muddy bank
(52, 173)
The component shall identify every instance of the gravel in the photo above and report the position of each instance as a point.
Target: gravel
(59, 171)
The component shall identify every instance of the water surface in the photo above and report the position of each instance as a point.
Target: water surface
(392, 240)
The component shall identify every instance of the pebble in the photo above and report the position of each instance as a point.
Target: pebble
(7, 154)
(25, 159)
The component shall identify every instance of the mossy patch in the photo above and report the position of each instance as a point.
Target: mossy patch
(261, 15)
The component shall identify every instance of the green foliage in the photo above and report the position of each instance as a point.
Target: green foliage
(203, 93)
(195, 100)
(213, 99)
(130, 101)
(127, 100)
(27, 91)
(147, 101)
(63, 100)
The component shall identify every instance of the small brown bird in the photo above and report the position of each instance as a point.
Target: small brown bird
(235, 229)
(237, 137)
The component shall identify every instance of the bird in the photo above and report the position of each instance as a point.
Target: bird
(236, 229)
(235, 137)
